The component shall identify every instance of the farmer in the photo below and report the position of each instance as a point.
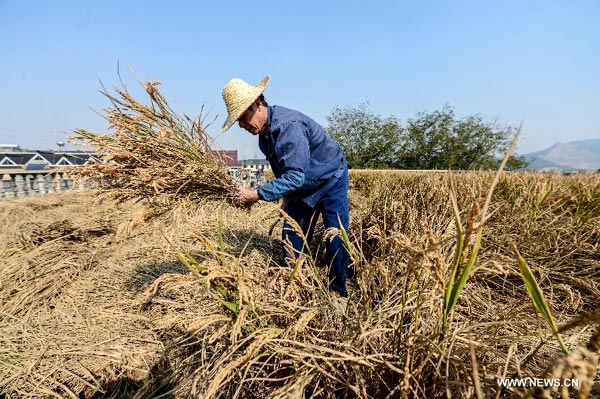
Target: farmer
(310, 169)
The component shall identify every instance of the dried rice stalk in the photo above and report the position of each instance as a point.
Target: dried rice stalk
(153, 153)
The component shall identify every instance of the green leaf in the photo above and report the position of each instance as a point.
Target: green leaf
(537, 297)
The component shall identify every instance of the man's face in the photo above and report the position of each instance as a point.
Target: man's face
(254, 119)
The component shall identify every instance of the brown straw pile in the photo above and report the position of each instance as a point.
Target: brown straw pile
(153, 153)
(195, 305)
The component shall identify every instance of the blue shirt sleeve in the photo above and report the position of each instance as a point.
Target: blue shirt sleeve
(290, 181)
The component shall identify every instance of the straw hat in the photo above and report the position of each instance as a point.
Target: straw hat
(239, 96)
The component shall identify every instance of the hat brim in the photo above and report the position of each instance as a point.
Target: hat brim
(233, 117)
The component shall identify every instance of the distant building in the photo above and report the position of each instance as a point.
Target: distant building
(41, 160)
(255, 164)
(9, 147)
(252, 172)
(230, 157)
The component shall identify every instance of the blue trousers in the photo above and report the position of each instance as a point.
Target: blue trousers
(333, 207)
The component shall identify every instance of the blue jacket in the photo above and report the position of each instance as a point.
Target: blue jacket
(305, 160)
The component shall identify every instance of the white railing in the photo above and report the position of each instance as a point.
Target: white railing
(29, 183)
(23, 183)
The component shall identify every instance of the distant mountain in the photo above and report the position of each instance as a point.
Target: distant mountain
(571, 156)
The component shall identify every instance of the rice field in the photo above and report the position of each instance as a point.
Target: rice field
(99, 301)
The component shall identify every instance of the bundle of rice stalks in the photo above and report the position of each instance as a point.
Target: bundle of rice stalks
(153, 153)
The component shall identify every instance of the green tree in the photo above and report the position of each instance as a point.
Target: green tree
(515, 162)
(430, 140)
(368, 140)
(439, 140)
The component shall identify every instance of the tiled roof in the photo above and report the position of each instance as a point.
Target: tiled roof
(22, 158)
(230, 157)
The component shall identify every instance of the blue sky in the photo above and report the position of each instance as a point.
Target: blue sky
(536, 61)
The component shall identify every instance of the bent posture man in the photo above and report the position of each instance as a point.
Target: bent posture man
(310, 169)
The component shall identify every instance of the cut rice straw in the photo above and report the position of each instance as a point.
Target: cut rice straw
(153, 153)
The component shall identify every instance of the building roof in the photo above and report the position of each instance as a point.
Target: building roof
(230, 157)
(49, 158)
(254, 162)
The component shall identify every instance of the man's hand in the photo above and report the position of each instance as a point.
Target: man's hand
(246, 197)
